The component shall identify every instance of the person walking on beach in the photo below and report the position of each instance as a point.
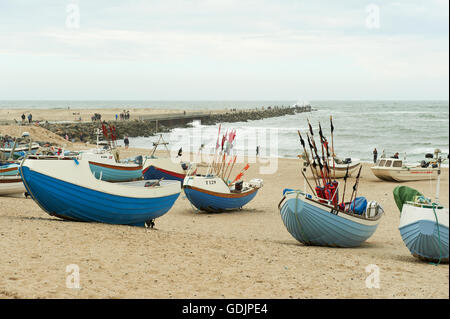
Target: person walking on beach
(30, 118)
(126, 141)
(375, 155)
(23, 118)
(257, 151)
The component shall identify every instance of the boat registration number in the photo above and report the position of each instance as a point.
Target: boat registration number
(210, 182)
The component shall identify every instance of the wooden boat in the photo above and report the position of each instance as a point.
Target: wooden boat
(423, 223)
(68, 189)
(398, 170)
(340, 166)
(210, 193)
(9, 169)
(320, 217)
(11, 185)
(313, 221)
(156, 167)
(105, 165)
(19, 150)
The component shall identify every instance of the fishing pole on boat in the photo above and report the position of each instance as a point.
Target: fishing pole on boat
(317, 157)
(332, 147)
(304, 176)
(234, 161)
(241, 173)
(325, 150)
(355, 188)
(308, 162)
(345, 185)
(314, 164)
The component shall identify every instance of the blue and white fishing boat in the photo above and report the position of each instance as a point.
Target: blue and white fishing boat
(423, 223)
(167, 167)
(210, 193)
(9, 169)
(314, 221)
(68, 189)
(19, 150)
(105, 165)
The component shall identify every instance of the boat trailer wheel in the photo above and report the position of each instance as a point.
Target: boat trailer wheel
(150, 223)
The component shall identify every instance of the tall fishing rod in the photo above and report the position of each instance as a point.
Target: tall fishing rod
(308, 162)
(315, 149)
(332, 147)
(355, 188)
(345, 184)
(314, 164)
(324, 143)
(317, 158)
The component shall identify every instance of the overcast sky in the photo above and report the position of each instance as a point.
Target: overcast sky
(224, 49)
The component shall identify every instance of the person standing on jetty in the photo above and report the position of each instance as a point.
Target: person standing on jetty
(375, 155)
(126, 141)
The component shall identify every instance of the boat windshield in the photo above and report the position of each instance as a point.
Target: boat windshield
(388, 163)
(397, 164)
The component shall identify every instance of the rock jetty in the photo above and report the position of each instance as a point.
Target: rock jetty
(85, 131)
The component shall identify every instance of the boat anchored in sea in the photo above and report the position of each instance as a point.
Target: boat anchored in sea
(67, 189)
(398, 170)
(321, 217)
(423, 223)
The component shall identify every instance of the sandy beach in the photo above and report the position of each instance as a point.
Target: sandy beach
(189, 254)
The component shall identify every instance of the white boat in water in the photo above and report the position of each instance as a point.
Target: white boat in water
(398, 170)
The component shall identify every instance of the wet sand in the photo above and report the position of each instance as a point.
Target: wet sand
(189, 254)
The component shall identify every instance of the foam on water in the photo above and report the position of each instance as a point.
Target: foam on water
(414, 127)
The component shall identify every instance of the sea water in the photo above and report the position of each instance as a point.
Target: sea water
(411, 128)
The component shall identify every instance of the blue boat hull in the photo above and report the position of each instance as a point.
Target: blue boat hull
(312, 225)
(214, 203)
(114, 175)
(69, 201)
(153, 173)
(424, 242)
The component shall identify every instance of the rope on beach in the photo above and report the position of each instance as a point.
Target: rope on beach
(439, 235)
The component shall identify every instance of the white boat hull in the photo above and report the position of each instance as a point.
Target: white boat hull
(11, 185)
(404, 174)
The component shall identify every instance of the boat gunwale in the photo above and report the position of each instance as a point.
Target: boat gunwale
(333, 208)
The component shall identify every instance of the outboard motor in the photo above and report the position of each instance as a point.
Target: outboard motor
(138, 160)
(238, 186)
(184, 166)
(424, 164)
(428, 155)
(348, 160)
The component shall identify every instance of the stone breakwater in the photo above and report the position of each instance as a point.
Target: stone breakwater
(86, 131)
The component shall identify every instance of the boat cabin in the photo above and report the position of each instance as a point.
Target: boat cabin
(390, 162)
